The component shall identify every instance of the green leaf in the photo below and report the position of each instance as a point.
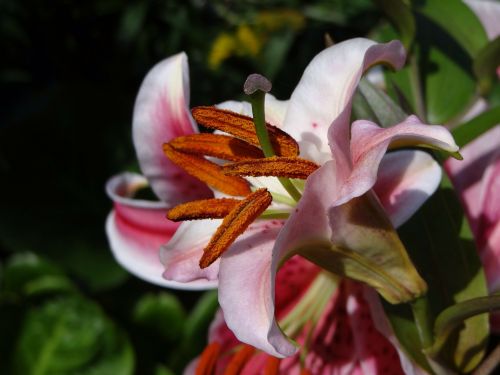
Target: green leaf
(437, 82)
(454, 316)
(152, 311)
(400, 15)
(373, 104)
(472, 129)
(445, 72)
(196, 330)
(486, 64)
(440, 244)
(458, 20)
(71, 335)
(29, 275)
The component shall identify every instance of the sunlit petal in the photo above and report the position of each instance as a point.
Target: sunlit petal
(161, 113)
(325, 90)
(181, 255)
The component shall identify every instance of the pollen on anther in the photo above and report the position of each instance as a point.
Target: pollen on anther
(234, 224)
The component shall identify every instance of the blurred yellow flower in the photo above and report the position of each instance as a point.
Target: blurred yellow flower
(273, 20)
(249, 42)
(249, 39)
(222, 48)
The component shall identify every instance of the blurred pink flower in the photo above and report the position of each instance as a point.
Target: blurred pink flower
(477, 180)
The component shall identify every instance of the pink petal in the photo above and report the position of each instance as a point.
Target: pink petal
(161, 113)
(247, 286)
(181, 255)
(137, 228)
(488, 13)
(382, 324)
(406, 179)
(477, 180)
(323, 95)
(369, 143)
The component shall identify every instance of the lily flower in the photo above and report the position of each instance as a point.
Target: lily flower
(477, 180)
(342, 219)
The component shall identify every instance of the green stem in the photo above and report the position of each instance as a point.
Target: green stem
(423, 321)
(259, 119)
(290, 187)
(416, 87)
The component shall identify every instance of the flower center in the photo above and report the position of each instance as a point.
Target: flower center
(242, 149)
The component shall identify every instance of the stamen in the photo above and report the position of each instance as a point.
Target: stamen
(272, 366)
(208, 359)
(273, 166)
(235, 224)
(239, 360)
(217, 145)
(202, 209)
(243, 127)
(208, 172)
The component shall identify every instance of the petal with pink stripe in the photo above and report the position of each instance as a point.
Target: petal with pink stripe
(161, 113)
(136, 229)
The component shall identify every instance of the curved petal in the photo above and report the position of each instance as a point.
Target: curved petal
(369, 143)
(406, 179)
(324, 93)
(247, 286)
(181, 255)
(137, 228)
(488, 13)
(161, 113)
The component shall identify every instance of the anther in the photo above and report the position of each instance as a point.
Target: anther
(217, 145)
(273, 166)
(234, 224)
(243, 127)
(202, 209)
(208, 172)
(208, 359)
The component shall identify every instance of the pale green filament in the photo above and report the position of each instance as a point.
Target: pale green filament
(311, 306)
(274, 214)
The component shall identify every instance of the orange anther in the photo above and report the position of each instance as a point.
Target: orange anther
(234, 224)
(273, 166)
(208, 359)
(239, 360)
(202, 209)
(208, 172)
(272, 366)
(243, 127)
(217, 145)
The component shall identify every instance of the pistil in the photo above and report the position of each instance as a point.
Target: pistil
(256, 86)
